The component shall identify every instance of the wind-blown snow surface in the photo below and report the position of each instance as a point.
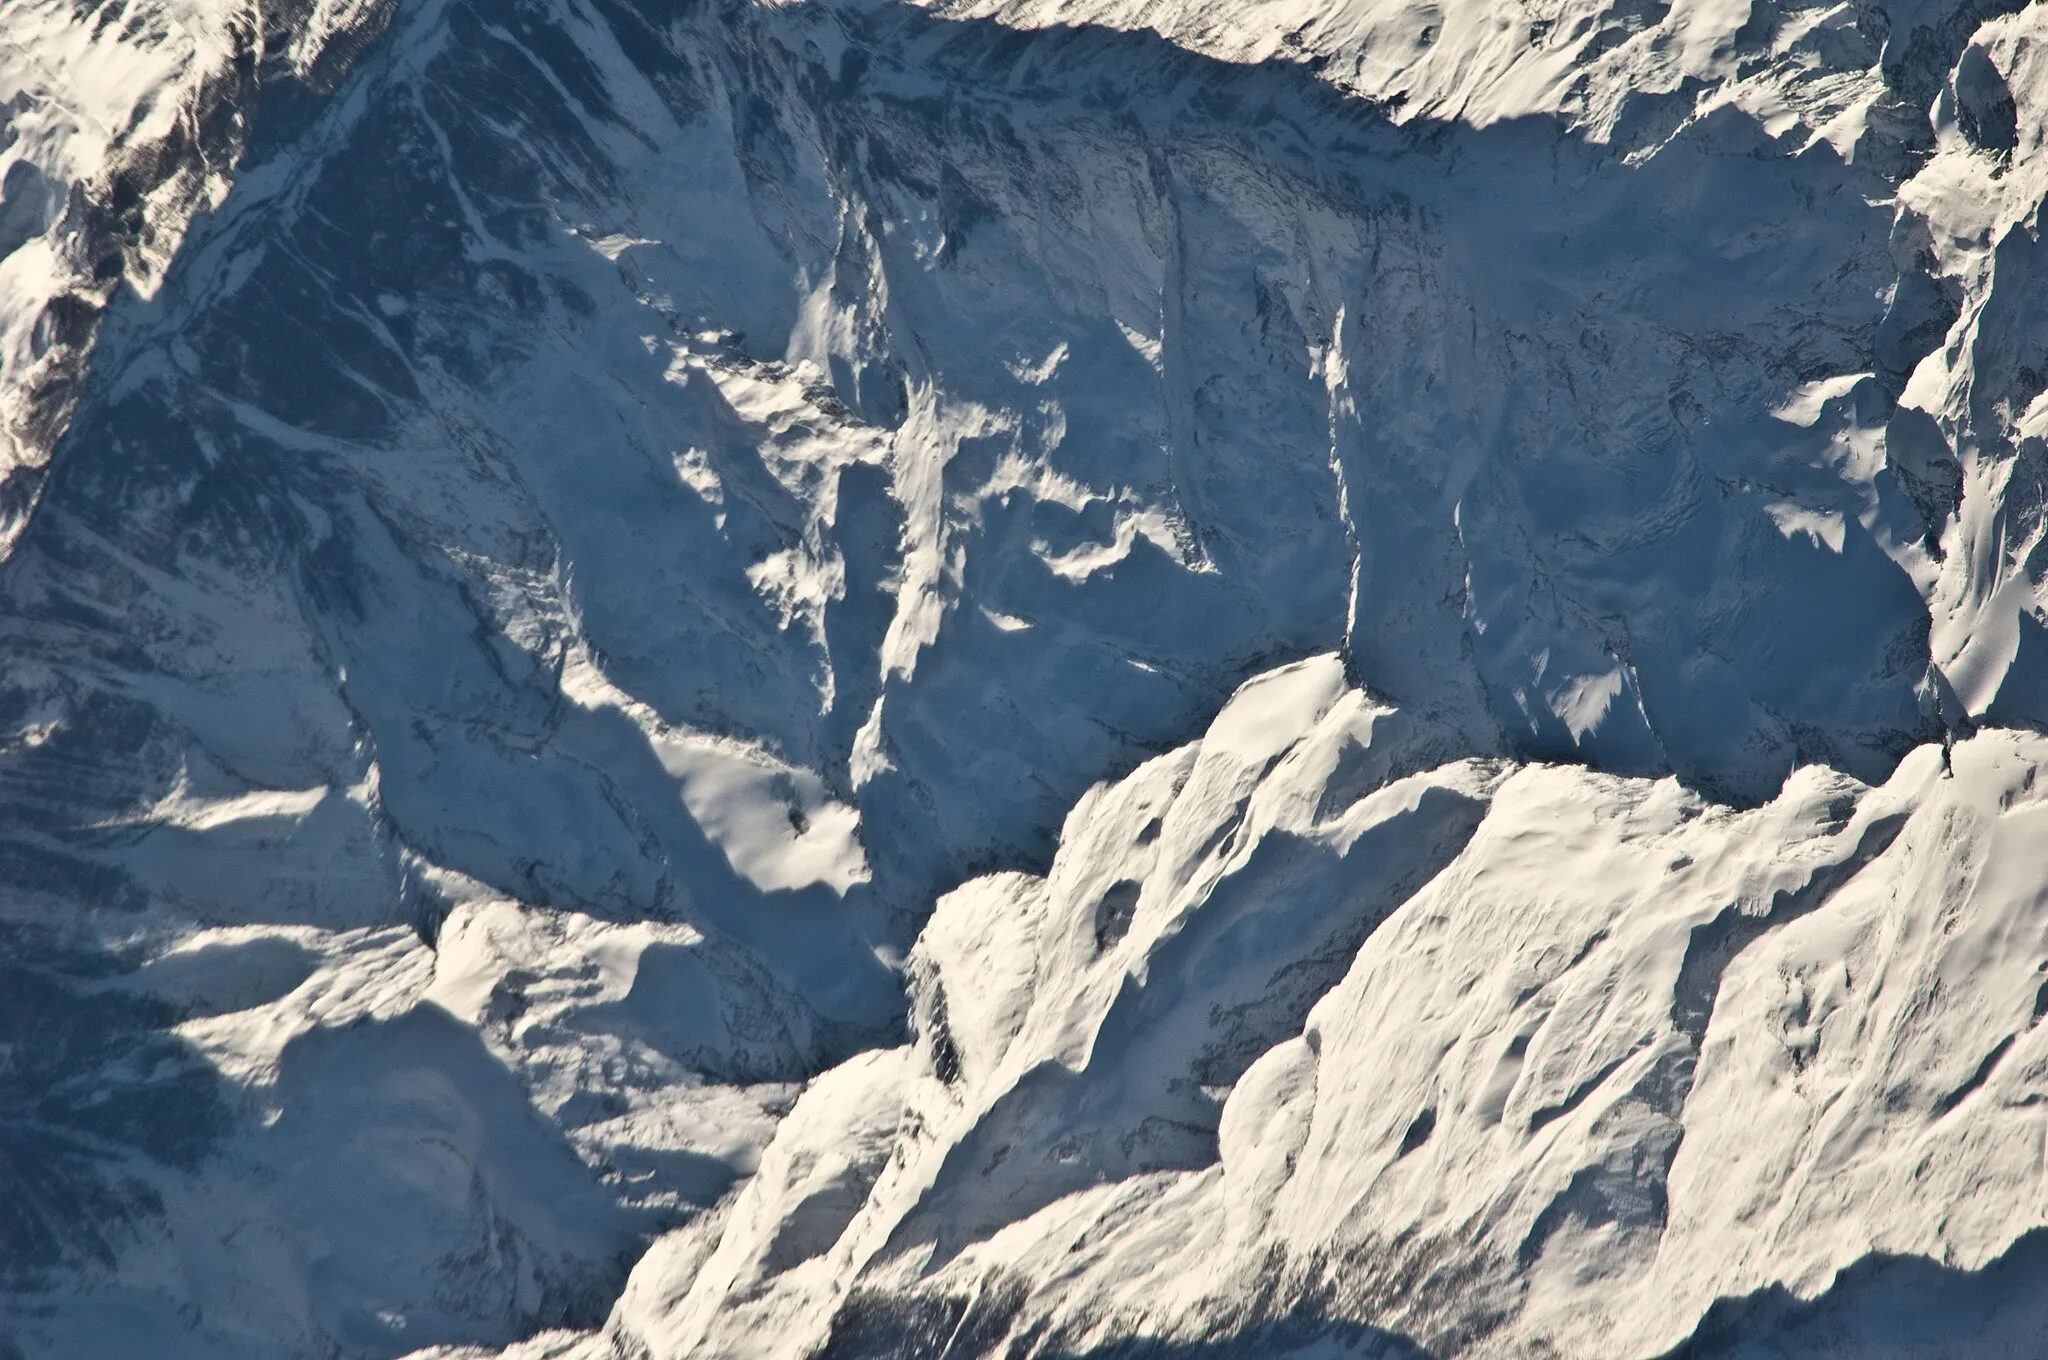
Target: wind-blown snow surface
(1606, 1052)
(545, 534)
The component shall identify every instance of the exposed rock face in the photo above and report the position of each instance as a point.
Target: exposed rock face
(543, 537)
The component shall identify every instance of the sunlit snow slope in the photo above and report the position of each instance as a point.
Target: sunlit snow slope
(865, 678)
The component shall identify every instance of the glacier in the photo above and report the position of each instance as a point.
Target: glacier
(856, 678)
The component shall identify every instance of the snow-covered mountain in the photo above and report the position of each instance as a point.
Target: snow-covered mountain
(851, 678)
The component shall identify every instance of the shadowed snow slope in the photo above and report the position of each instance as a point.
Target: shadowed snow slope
(542, 536)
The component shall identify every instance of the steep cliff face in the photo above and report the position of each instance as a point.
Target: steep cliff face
(543, 536)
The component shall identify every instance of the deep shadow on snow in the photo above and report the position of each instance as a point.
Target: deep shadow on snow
(1891, 1308)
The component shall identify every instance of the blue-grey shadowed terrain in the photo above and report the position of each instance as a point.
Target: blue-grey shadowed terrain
(1891, 1308)
(390, 1136)
(391, 438)
(96, 1100)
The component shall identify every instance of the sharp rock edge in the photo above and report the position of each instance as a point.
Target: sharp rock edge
(541, 537)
